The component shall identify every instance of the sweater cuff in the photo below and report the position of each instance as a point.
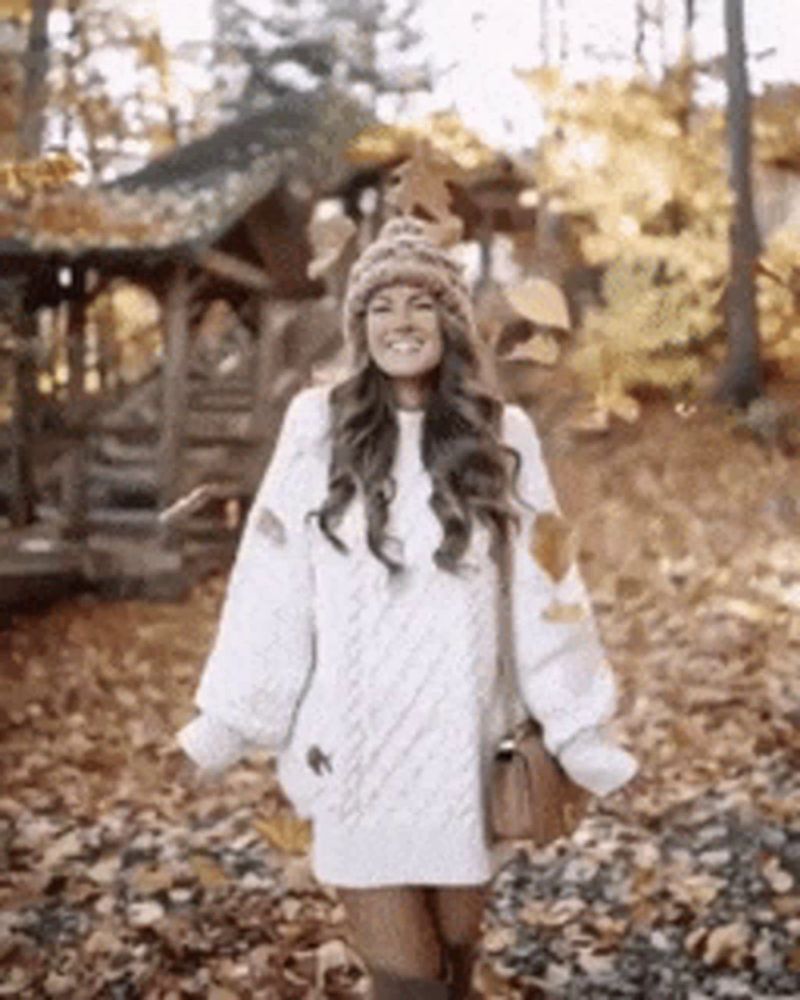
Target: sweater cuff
(594, 761)
(211, 744)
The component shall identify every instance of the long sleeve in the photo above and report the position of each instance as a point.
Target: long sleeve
(562, 675)
(264, 645)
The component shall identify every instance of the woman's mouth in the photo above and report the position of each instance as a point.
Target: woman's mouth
(404, 346)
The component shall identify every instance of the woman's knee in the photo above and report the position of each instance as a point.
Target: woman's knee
(393, 928)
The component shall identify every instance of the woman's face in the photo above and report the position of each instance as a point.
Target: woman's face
(403, 332)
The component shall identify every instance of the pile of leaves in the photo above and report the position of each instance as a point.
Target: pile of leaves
(119, 881)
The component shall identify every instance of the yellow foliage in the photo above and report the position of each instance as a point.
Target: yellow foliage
(635, 339)
(20, 9)
(655, 210)
(21, 180)
(778, 298)
(445, 132)
(655, 207)
(130, 318)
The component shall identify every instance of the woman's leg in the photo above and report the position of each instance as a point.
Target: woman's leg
(393, 929)
(458, 911)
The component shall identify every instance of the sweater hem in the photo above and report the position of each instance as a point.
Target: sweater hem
(400, 855)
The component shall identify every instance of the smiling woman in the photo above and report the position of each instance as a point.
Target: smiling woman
(360, 641)
(405, 340)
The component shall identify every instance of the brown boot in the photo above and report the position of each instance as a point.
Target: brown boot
(391, 986)
(461, 964)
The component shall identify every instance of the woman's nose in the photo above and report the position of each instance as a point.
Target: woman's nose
(403, 313)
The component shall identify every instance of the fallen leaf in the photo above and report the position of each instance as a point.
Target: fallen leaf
(208, 872)
(778, 878)
(145, 914)
(333, 954)
(151, 880)
(727, 945)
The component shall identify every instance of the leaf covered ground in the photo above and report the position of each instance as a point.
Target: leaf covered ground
(117, 881)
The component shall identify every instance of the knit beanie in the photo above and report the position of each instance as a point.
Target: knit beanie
(403, 253)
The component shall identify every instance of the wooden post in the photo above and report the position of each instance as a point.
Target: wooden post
(485, 238)
(75, 486)
(174, 391)
(271, 361)
(22, 505)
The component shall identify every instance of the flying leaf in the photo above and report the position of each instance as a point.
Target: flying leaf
(563, 614)
(552, 545)
(421, 183)
(285, 832)
(540, 301)
(540, 348)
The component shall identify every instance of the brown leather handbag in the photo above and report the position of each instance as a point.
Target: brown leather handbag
(530, 795)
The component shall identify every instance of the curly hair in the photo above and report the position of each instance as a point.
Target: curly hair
(461, 449)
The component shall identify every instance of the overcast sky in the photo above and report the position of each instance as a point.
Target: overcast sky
(479, 42)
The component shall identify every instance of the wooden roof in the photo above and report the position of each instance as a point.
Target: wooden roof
(187, 198)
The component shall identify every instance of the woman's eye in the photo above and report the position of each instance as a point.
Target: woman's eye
(424, 304)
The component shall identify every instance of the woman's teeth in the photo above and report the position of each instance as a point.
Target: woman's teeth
(405, 346)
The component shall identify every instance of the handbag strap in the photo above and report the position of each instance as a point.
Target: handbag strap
(504, 620)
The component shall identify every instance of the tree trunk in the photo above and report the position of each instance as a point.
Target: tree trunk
(34, 100)
(641, 30)
(741, 378)
(544, 32)
(563, 33)
(685, 69)
(661, 24)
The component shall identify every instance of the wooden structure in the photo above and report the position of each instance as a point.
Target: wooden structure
(144, 482)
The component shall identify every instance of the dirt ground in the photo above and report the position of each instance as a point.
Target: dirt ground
(117, 882)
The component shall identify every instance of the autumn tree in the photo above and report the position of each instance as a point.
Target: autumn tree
(115, 128)
(741, 377)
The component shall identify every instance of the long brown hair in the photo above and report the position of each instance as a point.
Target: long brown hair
(461, 449)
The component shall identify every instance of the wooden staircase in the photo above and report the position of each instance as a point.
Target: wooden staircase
(131, 550)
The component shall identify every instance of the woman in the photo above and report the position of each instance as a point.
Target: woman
(358, 637)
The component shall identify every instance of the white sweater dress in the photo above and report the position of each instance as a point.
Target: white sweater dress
(379, 696)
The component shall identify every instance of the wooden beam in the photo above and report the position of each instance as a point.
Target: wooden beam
(225, 265)
(75, 486)
(21, 499)
(270, 353)
(174, 388)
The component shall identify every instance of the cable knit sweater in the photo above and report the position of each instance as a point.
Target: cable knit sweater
(378, 695)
